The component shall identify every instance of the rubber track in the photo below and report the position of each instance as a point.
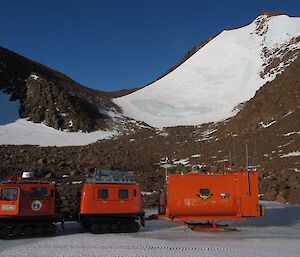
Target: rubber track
(8, 232)
(131, 228)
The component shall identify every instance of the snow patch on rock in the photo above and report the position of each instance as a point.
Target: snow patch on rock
(268, 124)
(34, 76)
(291, 154)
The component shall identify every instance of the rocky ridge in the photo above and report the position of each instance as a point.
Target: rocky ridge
(49, 97)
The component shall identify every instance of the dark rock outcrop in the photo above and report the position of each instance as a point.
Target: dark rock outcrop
(51, 97)
(48, 103)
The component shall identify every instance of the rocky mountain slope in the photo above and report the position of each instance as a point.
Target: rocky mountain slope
(49, 97)
(267, 120)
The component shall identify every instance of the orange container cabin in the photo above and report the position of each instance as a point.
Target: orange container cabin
(111, 202)
(210, 197)
(28, 207)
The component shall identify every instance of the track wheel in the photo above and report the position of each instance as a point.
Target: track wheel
(95, 228)
(38, 230)
(17, 232)
(4, 232)
(50, 229)
(124, 227)
(134, 227)
(114, 227)
(104, 228)
(28, 231)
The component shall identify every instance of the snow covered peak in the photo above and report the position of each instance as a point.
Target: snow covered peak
(225, 72)
(267, 15)
(277, 29)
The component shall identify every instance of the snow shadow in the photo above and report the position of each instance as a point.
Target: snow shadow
(71, 227)
(280, 216)
(157, 225)
(9, 110)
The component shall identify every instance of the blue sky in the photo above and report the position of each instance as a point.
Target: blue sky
(109, 45)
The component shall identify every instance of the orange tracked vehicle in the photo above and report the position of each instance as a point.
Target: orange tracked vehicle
(111, 202)
(211, 198)
(28, 207)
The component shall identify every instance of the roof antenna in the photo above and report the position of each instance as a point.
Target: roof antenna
(248, 171)
(247, 158)
(254, 148)
(166, 173)
(233, 154)
(230, 160)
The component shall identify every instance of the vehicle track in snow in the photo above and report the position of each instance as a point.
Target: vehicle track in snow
(144, 250)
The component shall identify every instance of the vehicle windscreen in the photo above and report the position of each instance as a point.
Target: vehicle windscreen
(9, 194)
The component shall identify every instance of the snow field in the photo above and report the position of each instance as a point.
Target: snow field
(277, 235)
(215, 80)
(23, 132)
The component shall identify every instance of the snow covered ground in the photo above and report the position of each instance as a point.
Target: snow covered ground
(16, 131)
(277, 235)
(210, 85)
(23, 132)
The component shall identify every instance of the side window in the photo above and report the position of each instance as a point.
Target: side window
(123, 193)
(9, 194)
(103, 194)
(39, 193)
